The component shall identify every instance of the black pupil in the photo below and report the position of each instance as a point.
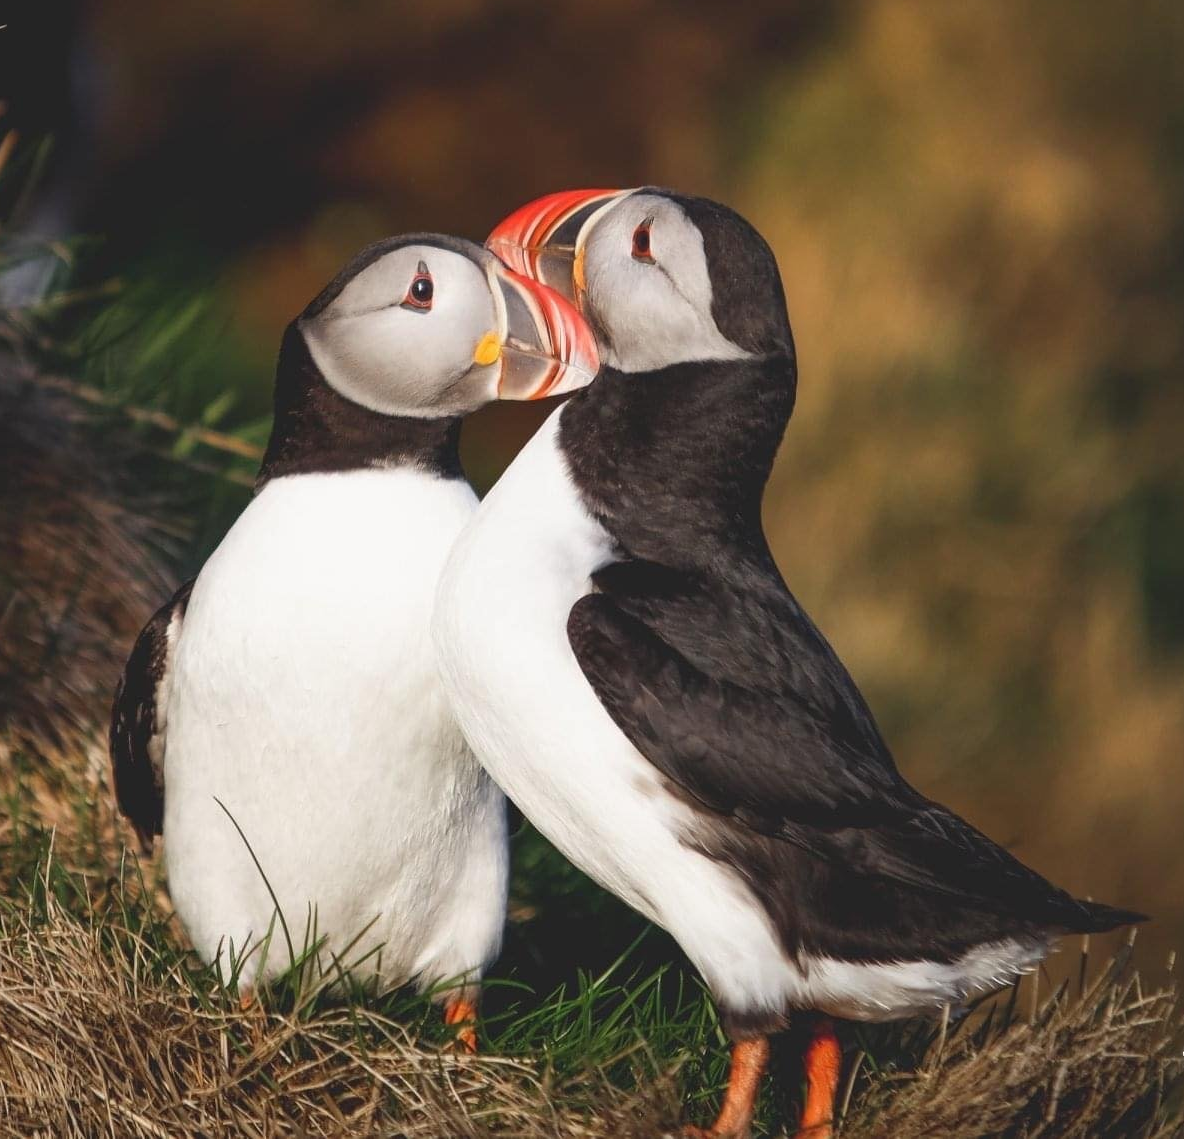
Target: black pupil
(421, 290)
(641, 241)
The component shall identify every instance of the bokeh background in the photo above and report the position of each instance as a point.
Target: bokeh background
(978, 209)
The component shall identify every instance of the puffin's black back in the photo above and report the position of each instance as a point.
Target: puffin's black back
(708, 664)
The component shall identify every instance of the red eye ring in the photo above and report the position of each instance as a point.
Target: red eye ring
(641, 241)
(420, 291)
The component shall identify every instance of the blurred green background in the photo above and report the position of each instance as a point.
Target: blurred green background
(978, 209)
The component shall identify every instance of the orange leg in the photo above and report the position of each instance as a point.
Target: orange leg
(750, 1058)
(824, 1059)
(462, 1011)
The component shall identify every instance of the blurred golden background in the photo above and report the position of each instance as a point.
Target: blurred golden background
(978, 209)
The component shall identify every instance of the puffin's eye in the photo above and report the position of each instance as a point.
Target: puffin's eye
(641, 241)
(419, 293)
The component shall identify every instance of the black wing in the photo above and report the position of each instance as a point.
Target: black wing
(138, 719)
(798, 759)
(767, 757)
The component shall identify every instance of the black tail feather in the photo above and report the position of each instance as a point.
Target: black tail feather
(1098, 918)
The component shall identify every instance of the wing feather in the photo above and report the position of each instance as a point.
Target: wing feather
(798, 762)
(138, 719)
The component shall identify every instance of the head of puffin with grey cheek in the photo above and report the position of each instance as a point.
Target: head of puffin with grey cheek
(427, 325)
(663, 278)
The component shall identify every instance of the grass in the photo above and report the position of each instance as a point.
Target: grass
(110, 1025)
(107, 1029)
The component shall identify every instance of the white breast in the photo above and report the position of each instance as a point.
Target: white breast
(305, 698)
(522, 701)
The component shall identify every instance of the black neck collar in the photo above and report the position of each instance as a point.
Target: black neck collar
(318, 430)
(674, 462)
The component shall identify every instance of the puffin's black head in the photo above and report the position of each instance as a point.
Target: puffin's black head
(429, 326)
(663, 278)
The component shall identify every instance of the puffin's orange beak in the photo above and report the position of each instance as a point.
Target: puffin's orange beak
(546, 348)
(542, 238)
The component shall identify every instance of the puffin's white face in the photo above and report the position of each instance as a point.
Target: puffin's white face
(634, 263)
(642, 281)
(427, 331)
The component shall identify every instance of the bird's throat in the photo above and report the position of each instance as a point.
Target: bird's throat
(318, 430)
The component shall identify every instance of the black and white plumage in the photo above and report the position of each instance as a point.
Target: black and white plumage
(705, 661)
(138, 718)
(625, 658)
(290, 692)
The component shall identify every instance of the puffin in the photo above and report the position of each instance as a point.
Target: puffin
(280, 720)
(627, 662)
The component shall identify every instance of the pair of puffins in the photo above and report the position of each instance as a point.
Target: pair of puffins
(324, 722)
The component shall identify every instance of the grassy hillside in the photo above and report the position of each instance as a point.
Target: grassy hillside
(109, 1026)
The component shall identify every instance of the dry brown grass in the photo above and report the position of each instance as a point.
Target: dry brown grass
(92, 1044)
(107, 1027)
(95, 1039)
(1100, 1063)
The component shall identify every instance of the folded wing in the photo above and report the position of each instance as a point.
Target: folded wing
(138, 719)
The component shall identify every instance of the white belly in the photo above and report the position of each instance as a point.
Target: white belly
(532, 719)
(305, 699)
